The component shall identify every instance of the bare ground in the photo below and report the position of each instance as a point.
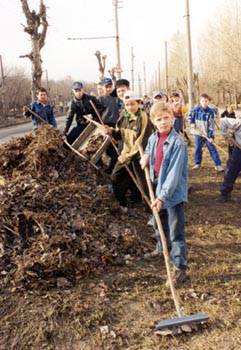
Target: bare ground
(119, 307)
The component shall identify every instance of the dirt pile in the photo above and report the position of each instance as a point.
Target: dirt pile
(59, 220)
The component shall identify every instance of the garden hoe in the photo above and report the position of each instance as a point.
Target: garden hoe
(181, 320)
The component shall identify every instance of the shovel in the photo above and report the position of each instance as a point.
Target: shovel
(181, 319)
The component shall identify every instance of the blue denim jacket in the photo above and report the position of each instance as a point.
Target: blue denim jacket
(44, 111)
(172, 182)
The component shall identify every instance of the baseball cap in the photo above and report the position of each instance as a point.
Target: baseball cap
(106, 81)
(131, 95)
(77, 85)
(157, 93)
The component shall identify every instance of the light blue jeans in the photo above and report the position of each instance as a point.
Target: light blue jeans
(173, 224)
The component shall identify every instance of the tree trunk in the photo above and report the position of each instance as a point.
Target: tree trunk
(37, 28)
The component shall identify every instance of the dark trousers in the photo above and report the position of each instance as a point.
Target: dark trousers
(232, 172)
(111, 152)
(122, 182)
(75, 132)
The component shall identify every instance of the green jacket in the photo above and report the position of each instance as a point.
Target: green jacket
(132, 130)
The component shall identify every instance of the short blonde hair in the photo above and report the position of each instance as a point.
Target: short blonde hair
(160, 107)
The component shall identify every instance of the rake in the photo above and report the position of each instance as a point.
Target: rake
(181, 319)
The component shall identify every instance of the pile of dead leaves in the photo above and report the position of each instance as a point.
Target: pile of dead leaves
(59, 220)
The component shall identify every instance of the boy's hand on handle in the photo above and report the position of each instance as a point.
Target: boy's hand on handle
(157, 203)
(25, 109)
(144, 161)
(107, 130)
(122, 158)
(228, 138)
(211, 140)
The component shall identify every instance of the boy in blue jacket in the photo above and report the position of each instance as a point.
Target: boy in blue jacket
(42, 108)
(201, 120)
(166, 153)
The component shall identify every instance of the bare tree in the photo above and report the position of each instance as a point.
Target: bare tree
(101, 62)
(37, 29)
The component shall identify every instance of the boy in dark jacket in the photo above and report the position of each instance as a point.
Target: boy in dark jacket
(79, 106)
(110, 116)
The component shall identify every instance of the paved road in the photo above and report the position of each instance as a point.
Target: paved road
(22, 129)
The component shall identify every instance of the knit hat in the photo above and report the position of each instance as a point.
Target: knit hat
(121, 82)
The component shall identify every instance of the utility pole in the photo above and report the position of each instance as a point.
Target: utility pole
(145, 88)
(132, 68)
(117, 69)
(139, 83)
(159, 76)
(156, 80)
(118, 65)
(166, 67)
(3, 88)
(189, 59)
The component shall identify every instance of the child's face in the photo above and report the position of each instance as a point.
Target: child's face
(41, 95)
(121, 90)
(204, 102)
(78, 93)
(132, 106)
(107, 89)
(99, 89)
(163, 122)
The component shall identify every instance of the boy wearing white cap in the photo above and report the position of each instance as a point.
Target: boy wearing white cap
(133, 127)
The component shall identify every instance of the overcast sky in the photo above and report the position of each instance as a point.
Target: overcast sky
(145, 25)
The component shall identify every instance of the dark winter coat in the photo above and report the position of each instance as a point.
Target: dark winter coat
(80, 107)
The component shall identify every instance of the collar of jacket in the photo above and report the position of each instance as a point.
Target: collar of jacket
(132, 116)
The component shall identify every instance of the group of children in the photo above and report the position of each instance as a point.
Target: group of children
(165, 154)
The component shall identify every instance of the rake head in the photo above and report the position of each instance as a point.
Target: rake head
(179, 321)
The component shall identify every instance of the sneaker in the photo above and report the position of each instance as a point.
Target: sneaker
(150, 222)
(196, 166)
(153, 255)
(124, 210)
(219, 168)
(224, 198)
(179, 276)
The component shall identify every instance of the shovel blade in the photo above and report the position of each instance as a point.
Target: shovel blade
(198, 318)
